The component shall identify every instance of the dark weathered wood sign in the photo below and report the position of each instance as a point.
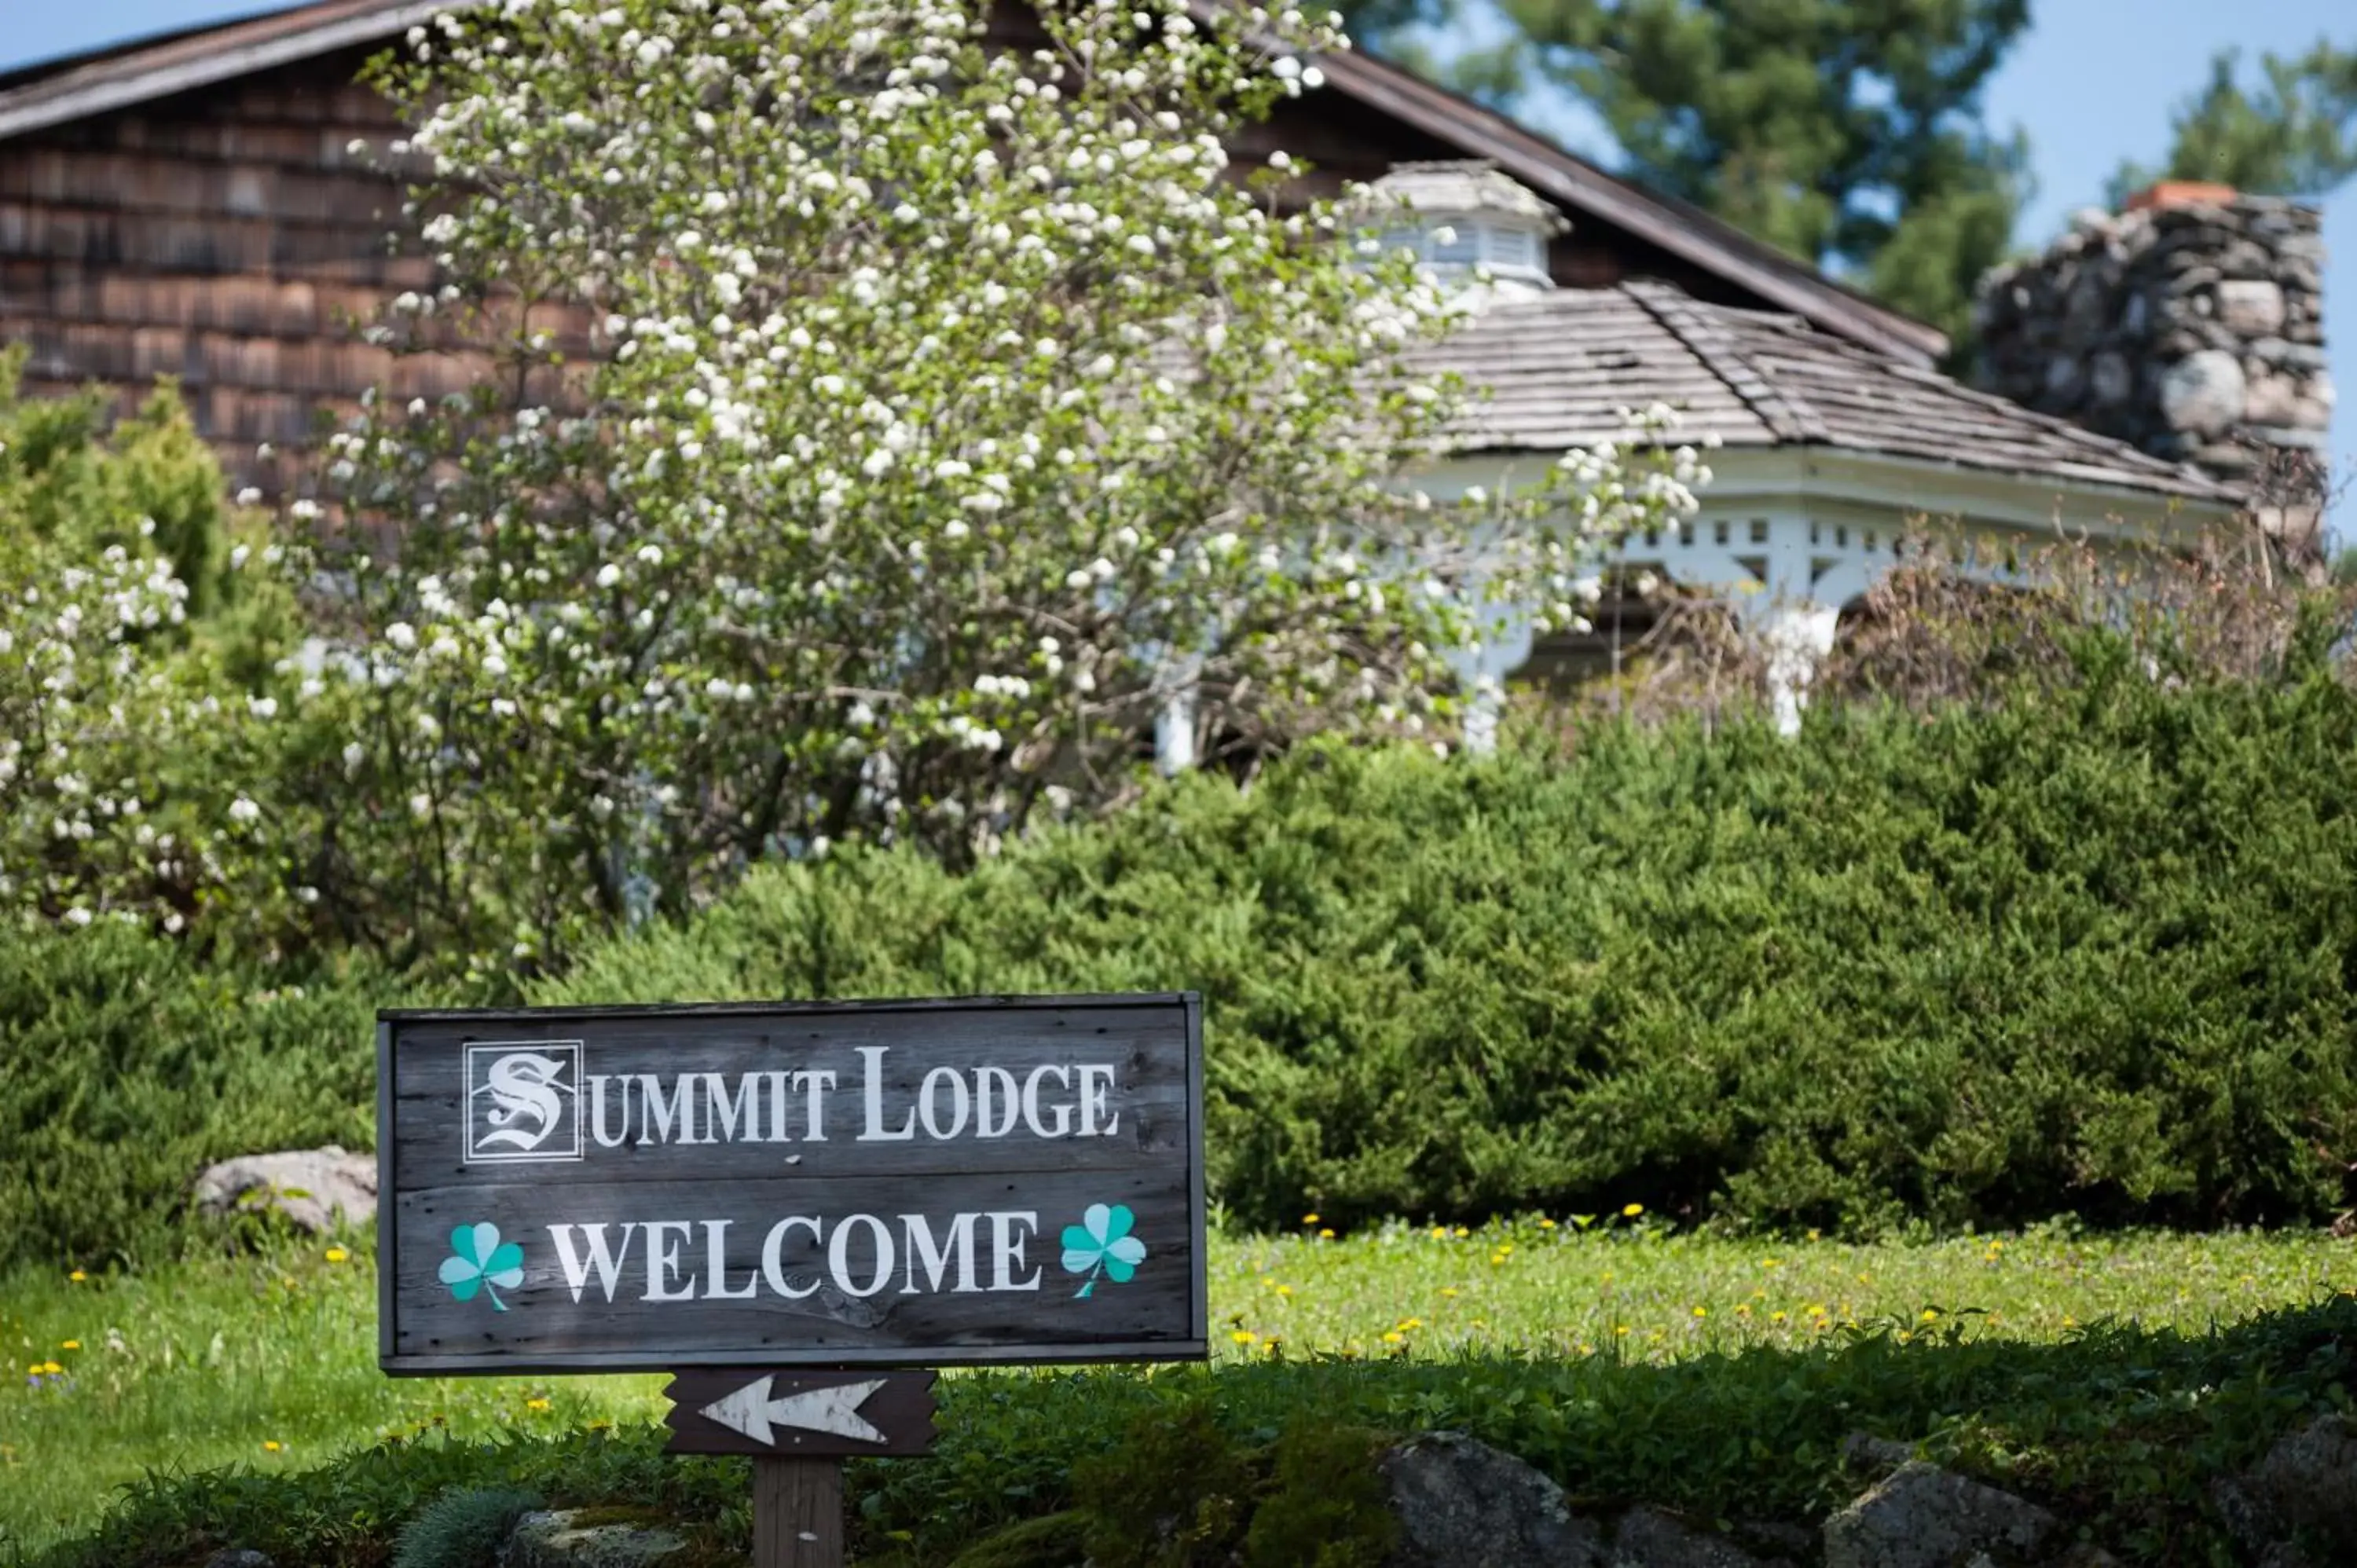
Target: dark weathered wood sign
(774, 1186)
(724, 1410)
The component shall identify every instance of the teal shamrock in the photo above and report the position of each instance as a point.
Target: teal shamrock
(1101, 1243)
(478, 1259)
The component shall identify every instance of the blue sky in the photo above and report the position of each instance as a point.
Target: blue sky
(2093, 82)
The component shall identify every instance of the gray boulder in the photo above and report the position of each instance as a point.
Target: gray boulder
(238, 1557)
(1463, 1504)
(1924, 1517)
(2086, 1555)
(2308, 1483)
(559, 1539)
(310, 1187)
(1648, 1538)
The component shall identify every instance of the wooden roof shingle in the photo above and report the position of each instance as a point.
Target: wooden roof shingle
(1556, 370)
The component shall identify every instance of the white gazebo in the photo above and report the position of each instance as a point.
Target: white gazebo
(1828, 455)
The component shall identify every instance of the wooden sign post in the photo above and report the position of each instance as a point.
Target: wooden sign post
(780, 1205)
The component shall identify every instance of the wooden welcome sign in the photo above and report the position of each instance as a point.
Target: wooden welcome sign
(773, 1201)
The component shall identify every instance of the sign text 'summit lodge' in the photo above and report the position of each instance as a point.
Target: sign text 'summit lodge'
(856, 1183)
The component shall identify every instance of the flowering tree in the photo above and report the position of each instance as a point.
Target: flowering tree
(948, 411)
(130, 637)
(887, 428)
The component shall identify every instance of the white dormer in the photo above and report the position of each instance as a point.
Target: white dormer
(1464, 215)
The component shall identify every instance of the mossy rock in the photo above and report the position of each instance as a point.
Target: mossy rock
(566, 1539)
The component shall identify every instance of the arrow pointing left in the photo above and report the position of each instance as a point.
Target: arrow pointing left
(833, 1409)
(746, 1410)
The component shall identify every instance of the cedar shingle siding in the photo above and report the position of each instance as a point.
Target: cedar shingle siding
(223, 236)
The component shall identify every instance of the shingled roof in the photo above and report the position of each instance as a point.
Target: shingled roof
(57, 92)
(1557, 369)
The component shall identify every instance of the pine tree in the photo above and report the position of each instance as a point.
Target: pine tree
(2296, 136)
(1847, 133)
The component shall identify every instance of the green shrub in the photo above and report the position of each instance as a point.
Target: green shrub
(1175, 1492)
(463, 1528)
(2091, 951)
(71, 474)
(1328, 1506)
(126, 1067)
(140, 644)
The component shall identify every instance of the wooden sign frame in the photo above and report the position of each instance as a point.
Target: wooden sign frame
(1031, 1019)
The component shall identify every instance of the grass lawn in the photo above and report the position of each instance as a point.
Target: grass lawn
(269, 1362)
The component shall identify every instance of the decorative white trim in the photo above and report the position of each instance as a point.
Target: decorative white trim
(1792, 535)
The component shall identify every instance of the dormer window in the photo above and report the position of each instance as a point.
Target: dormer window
(1505, 249)
(1466, 215)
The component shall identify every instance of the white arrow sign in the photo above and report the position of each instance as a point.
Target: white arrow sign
(835, 1409)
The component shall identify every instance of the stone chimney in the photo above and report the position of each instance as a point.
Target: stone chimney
(2190, 325)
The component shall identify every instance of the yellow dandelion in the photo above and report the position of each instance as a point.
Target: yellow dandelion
(1245, 1337)
(1775, 1317)
(1310, 1220)
(1326, 1233)
(51, 1368)
(1285, 1290)
(1450, 1291)
(1815, 1235)
(1619, 1328)
(1407, 1323)
(1462, 1232)
(70, 1345)
(336, 1255)
(535, 1405)
(1392, 1337)
(77, 1277)
(1440, 1233)
(271, 1446)
(1545, 1224)
(1702, 1312)
(1630, 1211)
(1929, 1313)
